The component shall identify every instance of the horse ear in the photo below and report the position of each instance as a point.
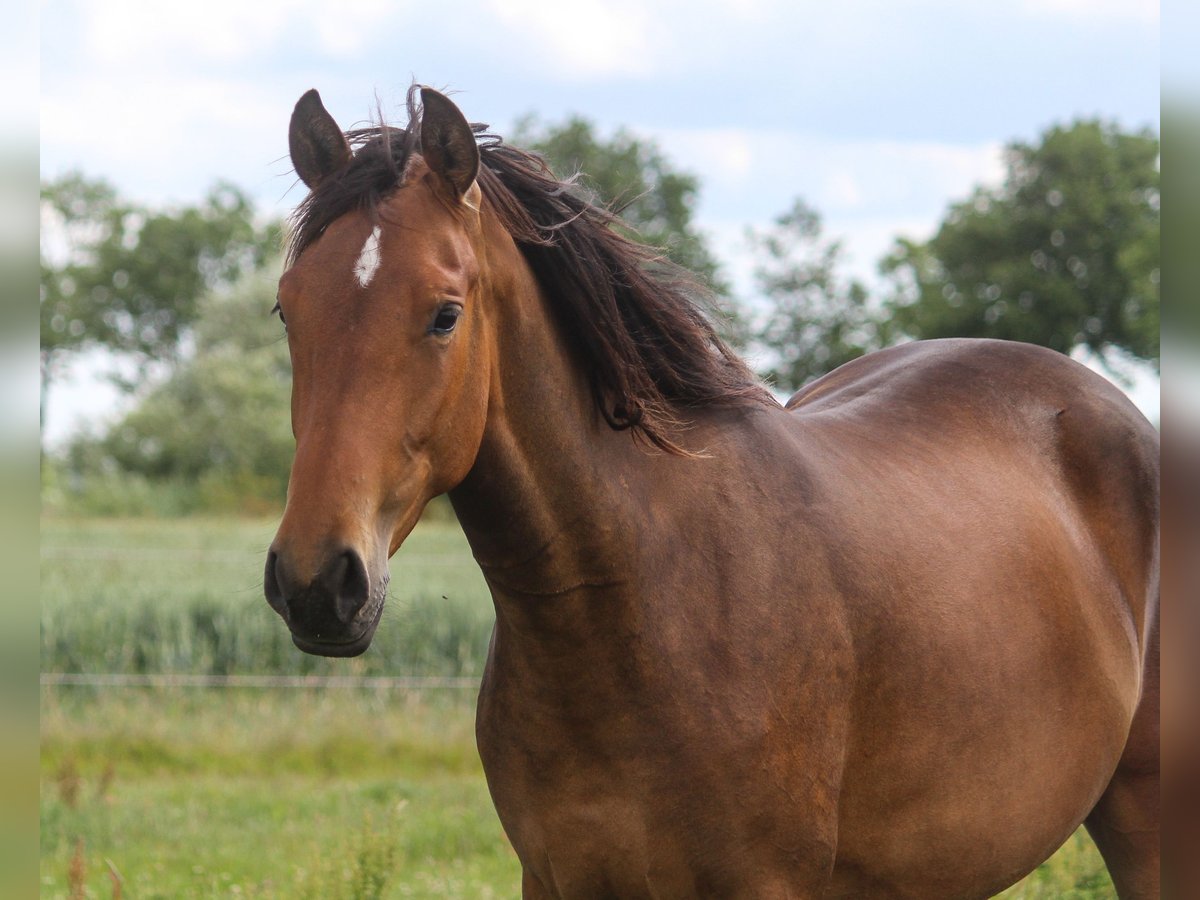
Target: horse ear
(317, 145)
(447, 142)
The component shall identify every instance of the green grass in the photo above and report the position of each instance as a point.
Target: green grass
(300, 794)
(185, 596)
(278, 793)
(267, 794)
(1075, 872)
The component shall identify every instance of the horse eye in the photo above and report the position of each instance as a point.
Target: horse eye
(278, 310)
(446, 319)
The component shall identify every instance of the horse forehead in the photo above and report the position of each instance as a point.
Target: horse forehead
(342, 239)
(419, 232)
(410, 234)
(358, 239)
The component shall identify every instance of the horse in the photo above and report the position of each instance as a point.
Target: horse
(897, 637)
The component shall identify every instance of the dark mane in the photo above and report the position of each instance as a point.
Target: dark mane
(638, 324)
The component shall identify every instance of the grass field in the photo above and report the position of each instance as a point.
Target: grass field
(185, 595)
(267, 794)
(334, 793)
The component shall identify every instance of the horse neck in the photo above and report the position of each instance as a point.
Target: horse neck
(547, 505)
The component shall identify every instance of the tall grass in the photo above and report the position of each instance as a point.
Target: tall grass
(185, 596)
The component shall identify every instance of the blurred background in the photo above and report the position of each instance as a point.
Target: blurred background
(782, 151)
(844, 177)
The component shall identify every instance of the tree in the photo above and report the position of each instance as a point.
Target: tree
(118, 275)
(630, 175)
(222, 417)
(1065, 253)
(817, 320)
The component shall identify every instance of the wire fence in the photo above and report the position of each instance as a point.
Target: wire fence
(66, 552)
(398, 682)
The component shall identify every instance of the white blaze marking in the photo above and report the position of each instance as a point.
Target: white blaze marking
(368, 259)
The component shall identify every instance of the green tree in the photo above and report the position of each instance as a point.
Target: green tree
(632, 176)
(222, 417)
(1064, 253)
(817, 319)
(122, 276)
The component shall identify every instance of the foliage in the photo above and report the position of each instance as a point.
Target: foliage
(126, 277)
(817, 320)
(220, 421)
(1064, 253)
(92, 485)
(631, 175)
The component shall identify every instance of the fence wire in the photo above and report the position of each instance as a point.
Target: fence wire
(398, 682)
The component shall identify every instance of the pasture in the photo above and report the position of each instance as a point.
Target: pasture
(246, 792)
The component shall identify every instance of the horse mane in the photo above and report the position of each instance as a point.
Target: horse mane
(639, 325)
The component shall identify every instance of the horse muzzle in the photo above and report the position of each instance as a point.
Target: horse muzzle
(334, 613)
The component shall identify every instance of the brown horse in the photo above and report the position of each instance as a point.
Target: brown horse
(895, 639)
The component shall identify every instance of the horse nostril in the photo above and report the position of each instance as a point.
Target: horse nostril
(347, 580)
(271, 584)
(331, 600)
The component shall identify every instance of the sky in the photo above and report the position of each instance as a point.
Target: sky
(877, 113)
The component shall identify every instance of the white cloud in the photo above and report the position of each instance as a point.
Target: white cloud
(868, 192)
(587, 38)
(591, 39)
(755, 170)
(845, 189)
(168, 139)
(727, 155)
(139, 32)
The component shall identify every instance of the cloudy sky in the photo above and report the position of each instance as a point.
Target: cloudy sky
(878, 113)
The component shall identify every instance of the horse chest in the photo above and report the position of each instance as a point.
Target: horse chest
(623, 803)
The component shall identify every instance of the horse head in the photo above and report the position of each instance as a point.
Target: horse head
(390, 352)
